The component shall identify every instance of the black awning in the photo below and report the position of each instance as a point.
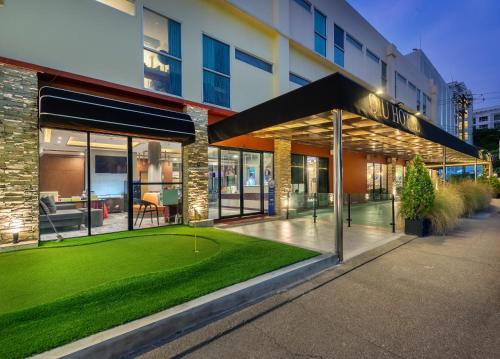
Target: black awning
(67, 109)
(335, 91)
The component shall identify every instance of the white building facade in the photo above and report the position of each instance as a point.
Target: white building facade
(488, 117)
(264, 48)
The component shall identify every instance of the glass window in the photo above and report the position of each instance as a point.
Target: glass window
(338, 37)
(304, 4)
(298, 79)
(251, 182)
(162, 54)
(323, 178)
(319, 32)
(108, 184)
(372, 56)
(418, 99)
(157, 182)
(298, 174)
(63, 184)
(383, 73)
(126, 6)
(354, 42)
(230, 182)
(412, 86)
(216, 72)
(424, 103)
(252, 60)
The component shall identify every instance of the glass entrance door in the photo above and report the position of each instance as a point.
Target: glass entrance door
(230, 189)
(213, 182)
(252, 182)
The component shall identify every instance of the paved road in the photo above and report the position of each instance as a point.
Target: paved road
(437, 297)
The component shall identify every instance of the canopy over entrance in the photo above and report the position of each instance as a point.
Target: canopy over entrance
(370, 123)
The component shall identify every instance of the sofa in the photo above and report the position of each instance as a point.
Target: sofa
(66, 215)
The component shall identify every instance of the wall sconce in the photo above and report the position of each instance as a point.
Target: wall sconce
(15, 225)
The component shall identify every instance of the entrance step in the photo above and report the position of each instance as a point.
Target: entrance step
(238, 221)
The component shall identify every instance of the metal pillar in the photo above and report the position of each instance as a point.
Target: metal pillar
(337, 183)
(475, 170)
(444, 164)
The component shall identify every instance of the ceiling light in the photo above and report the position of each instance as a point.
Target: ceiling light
(47, 133)
(379, 92)
(417, 113)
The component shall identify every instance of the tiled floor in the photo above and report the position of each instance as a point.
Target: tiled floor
(303, 232)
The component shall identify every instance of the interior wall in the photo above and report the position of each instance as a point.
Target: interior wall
(106, 183)
(354, 171)
(65, 174)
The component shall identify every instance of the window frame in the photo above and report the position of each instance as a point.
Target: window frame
(203, 68)
(337, 48)
(292, 74)
(372, 56)
(306, 5)
(258, 59)
(353, 41)
(159, 53)
(383, 73)
(316, 33)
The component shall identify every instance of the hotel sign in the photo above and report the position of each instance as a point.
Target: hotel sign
(386, 111)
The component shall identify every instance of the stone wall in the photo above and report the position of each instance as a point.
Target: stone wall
(282, 171)
(195, 168)
(391, 175)
(18, 153)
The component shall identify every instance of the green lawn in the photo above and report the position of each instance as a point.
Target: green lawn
(63, 291)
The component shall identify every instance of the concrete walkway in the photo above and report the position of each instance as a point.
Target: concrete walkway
(437, 297)
(303, 232)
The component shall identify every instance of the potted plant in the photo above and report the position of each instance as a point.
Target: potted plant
(417, 198)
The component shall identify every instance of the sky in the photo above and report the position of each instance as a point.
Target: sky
(460, 37)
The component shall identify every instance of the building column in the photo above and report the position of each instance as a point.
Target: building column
(195, 168)
(338, 199)
(18, 154)
(282, 172)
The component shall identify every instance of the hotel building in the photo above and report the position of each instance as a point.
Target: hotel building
(124, 114)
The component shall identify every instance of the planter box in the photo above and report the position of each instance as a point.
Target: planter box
(418, 227)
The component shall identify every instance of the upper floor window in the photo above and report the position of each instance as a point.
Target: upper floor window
(319, 32)
(496, 117)
(126, 6)
(412, 86)
(305, 4)
(424, 104)
(216, 72)
(354, 42)
(383, 74)
(338, 39)
(299, 80)
(162, 53)
(418, 99)
(252, 60)
(372, 56)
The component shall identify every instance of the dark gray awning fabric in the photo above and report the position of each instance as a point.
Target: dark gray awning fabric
(335, 91)
(79, 111)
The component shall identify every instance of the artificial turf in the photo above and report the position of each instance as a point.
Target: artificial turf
(64, 291)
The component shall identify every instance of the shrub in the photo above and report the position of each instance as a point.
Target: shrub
(447, 209)
(476, 196)
(417, 196)
(495, 185)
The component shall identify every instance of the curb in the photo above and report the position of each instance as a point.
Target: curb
(126, 338)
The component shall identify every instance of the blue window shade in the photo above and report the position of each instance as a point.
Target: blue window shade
(319, 32)
(372, 56)
(162, 73)
(320, 44)
(298, 79)
(338, 56)
(174, 38)
(215, 55)
(254, 61)
(319, 23)
(305, 4)
(354, 42)
(216, 89)
(338, 36)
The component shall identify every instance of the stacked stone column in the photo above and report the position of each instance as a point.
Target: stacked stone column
(18, 154)
(282, 172)
(195, 168)
(391, 175)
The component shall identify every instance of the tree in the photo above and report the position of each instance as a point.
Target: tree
(417, 196)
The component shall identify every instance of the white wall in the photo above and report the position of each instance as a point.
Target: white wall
(106, 183)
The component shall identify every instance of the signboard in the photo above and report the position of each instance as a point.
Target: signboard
(270, 203)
